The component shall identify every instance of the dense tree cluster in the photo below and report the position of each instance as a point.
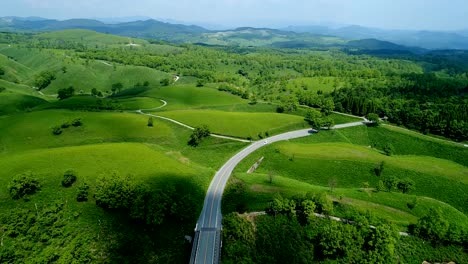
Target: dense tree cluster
(425, 103)
(284, 239)
(44, 79)
(434, 227)
(143, 203)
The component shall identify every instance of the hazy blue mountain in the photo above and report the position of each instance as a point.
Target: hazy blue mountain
(424, 39)
(300, 37)
(142, 29)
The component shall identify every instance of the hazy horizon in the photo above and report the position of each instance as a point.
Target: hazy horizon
(396, 14)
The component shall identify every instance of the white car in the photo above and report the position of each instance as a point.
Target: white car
(265, 142)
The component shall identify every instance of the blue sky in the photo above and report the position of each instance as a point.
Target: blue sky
(390, 14)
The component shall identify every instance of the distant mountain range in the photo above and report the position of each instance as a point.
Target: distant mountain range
(352, 37)
(424, 39)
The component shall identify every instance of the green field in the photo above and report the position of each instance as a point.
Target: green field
(404, 141)
(309, 164)
(182, 96)
(242, 125)
(12, 102)
(83, 75)
(88, 37)
(392, 206)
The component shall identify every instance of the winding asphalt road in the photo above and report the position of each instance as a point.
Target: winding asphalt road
(207, 240)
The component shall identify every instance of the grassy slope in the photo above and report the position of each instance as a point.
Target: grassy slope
(30, 131)
(404, 142)
(308, 164)
(238, 124)
(392, 206)
(89, 37)
(98, 75)
(81, 74)
(143, 163)
(182, 96)
(13, 102)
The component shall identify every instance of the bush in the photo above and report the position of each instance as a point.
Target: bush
(389, 149)
(44, 79)
(432, 226)
(57, 130)
(150, 121)
(82, 195)
(69, 177)
(65, 93)
(23, 184)
(198, 134)
(2, 89)
(374, 118)
(65, 125)
(114, 191)
(77, 122)
(379, 168)
(165, 82)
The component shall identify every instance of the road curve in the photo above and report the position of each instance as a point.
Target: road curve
(207, 242)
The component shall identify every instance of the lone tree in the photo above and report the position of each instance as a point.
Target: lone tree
(389, 149)
(391, 183)
(406, 185)
(379, 168)
(374, 118)
(116, 87)
(198, 134)
(44, 79)
(314, 118)
(165, 82)
(150, 121)
(65, 93)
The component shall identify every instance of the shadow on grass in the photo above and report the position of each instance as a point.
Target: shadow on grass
(126, 240)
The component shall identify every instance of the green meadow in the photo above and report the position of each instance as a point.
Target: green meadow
(347, 157)
(244, 125)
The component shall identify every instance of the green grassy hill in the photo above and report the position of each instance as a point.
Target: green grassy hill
(245, 125)
(89, 38)
(349, 159)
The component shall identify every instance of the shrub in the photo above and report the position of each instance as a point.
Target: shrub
(22, 185)
(150, 121)
(406, 185)
(2, 89)
(374, 118)
(432, 226)
(82, 195)
(379, 168)
(165, 82)
(65, 125)
(380, 186)
(114, 191)
(77, 122)
(57, 130)
(65, 93)
(69, 177)
(389, 149)
(198, 134)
